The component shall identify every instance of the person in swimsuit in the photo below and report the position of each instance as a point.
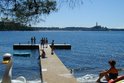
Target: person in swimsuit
(112, 73)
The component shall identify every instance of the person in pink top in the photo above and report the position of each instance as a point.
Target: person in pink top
(112, 73)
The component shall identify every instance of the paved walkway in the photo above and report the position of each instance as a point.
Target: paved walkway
(53, 70)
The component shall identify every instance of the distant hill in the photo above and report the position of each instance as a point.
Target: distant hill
(95, 28)
(11, 26)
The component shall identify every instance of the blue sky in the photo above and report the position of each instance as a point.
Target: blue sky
(109, 13)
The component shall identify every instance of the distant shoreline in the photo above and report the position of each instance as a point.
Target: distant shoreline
(63, 30)
(74, 29)
(95, 28)
(12, 26)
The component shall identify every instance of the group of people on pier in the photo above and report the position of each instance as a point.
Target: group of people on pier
(33, 40)
(44, 42)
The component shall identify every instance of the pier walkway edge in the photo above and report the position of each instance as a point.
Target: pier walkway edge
(53, 70)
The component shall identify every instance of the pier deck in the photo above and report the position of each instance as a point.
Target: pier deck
(36, 46)
(53, 70)
(62, 46)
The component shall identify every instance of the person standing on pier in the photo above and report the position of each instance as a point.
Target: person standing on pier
(52, 47)
(42, 42)
(31, 40)
(34, 40)
(46, 42)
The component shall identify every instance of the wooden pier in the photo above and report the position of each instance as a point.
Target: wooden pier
(61, 46)
(25, 46)
(36, 46)
(53, 70)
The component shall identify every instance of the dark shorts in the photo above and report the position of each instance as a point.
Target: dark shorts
(113, 76)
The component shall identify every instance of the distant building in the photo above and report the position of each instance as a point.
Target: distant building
(96, 24)
(99, 28)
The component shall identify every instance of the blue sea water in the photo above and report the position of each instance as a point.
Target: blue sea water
(89, 55)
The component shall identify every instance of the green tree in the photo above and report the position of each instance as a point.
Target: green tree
(25, 11)
(30, 11)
